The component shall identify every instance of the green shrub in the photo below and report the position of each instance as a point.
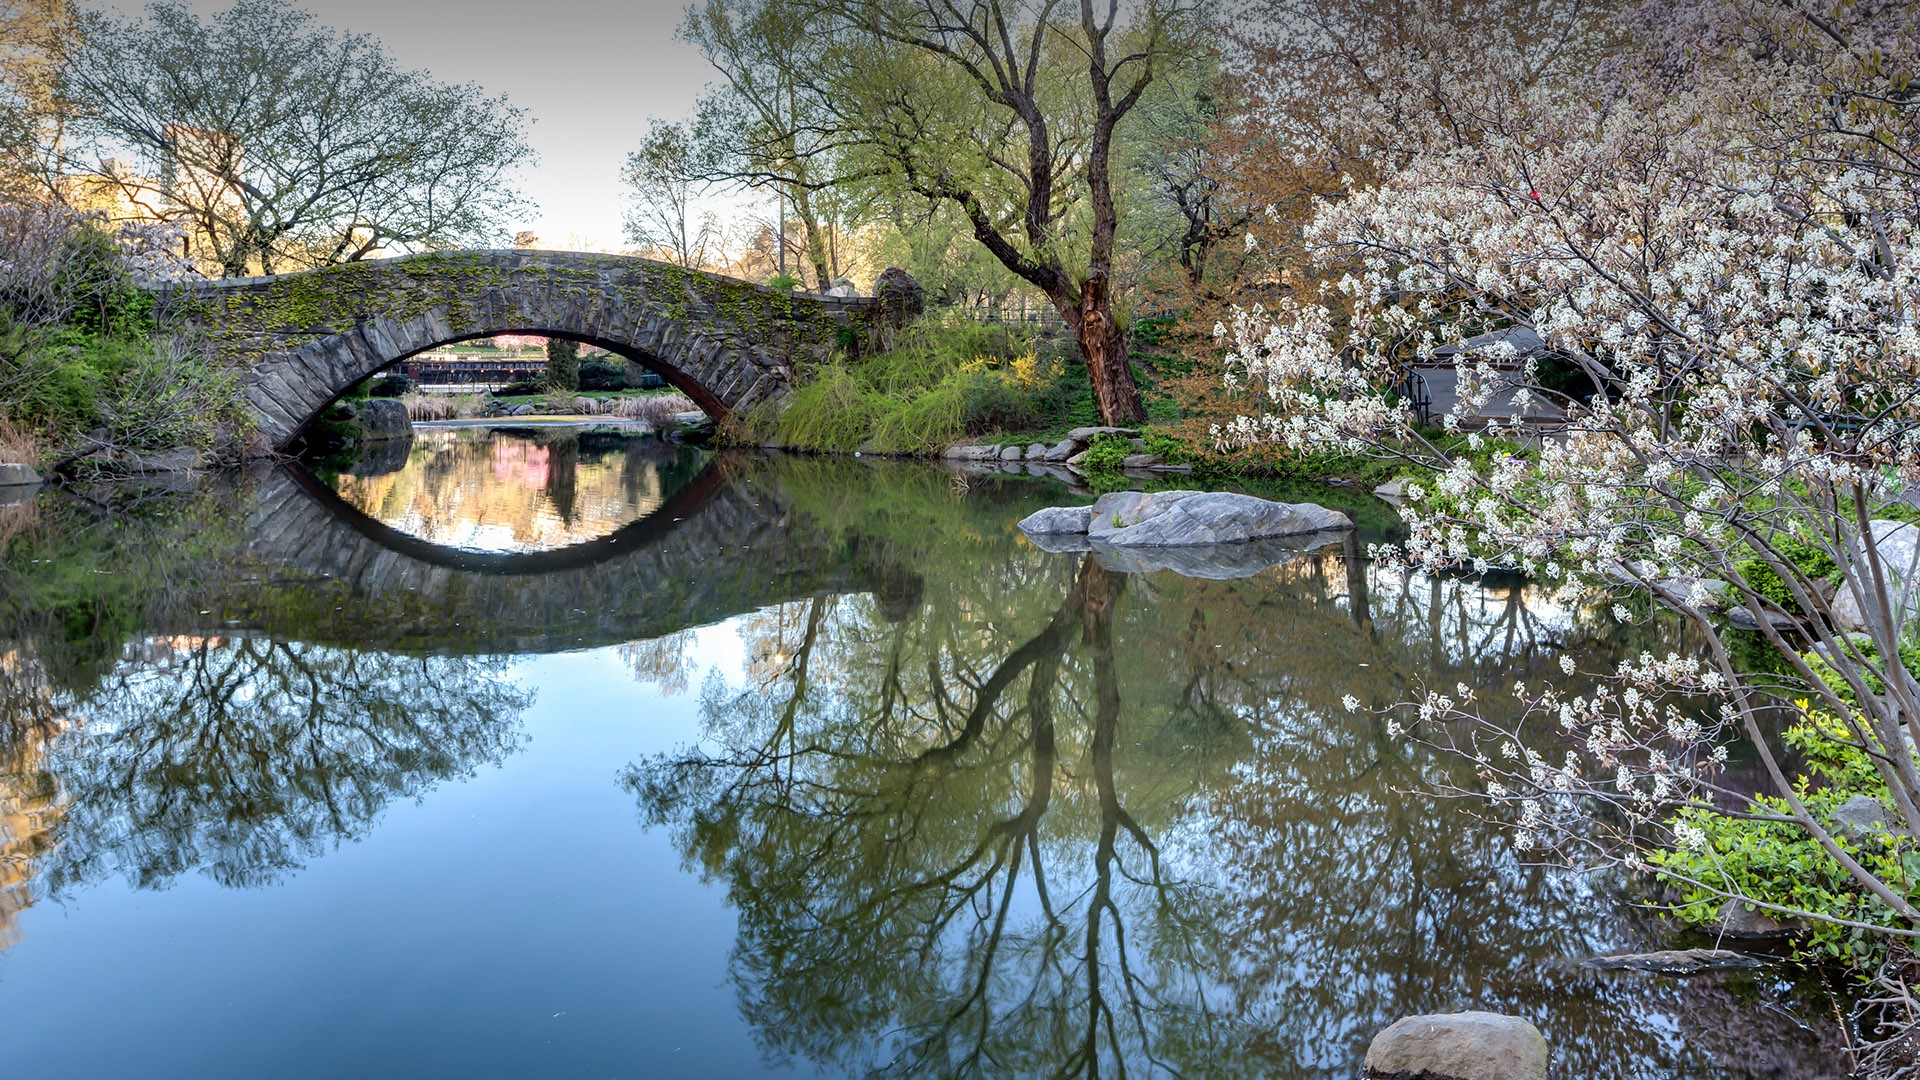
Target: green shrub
(1105, 454)
(603, 375)
(1776, 862)
(1809, 559)
(992, 405)
(833, 412)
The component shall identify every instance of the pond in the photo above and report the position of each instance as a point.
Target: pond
(562, 752)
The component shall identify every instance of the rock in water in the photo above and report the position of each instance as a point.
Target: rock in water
(1459, 1046)
(1125, 509)
(1056, 519)
(1678, 961)
(1222, 518)
(12, 475)
(382, 418)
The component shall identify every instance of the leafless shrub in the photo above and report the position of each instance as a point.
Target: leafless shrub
(421, 406)
(655, 409)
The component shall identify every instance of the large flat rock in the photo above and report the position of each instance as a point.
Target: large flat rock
(1220, 517)
(1459, 1046)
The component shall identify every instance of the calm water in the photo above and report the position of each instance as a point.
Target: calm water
(545, 754)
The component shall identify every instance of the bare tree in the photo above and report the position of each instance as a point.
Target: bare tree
(284, 144)
(665, 178)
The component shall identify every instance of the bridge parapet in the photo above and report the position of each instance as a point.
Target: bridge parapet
(305, 338)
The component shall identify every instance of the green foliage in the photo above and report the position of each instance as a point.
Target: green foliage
(599, 374)
(1776, 862)
(831, 412)
(941, 382)
(391, 385)
(1809, 559)
(783, 281)
(1105, 453)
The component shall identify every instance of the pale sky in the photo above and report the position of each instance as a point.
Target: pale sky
(589, 73)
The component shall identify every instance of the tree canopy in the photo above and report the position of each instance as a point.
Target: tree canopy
(283, 144)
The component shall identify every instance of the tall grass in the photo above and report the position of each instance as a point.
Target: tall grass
(421, 406)
(655, 409)
(942, 382)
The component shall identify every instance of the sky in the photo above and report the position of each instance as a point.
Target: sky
(589, 73)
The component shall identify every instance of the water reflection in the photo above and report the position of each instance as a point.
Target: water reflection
(978, 809)
(517, 489)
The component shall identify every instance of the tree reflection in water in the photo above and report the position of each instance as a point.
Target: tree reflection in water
(243, 757)
(1134, 830)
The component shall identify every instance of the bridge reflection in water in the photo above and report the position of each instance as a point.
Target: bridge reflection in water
(971, 808)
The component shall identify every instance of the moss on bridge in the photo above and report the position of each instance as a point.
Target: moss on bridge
(308, 336)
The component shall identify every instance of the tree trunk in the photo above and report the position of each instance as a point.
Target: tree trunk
(1104, 344)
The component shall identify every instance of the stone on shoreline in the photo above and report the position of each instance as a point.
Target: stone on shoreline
(1458, 1046)
(16, 475)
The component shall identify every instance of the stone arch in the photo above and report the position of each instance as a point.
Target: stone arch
(304, 339)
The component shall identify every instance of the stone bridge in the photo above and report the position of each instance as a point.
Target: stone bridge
(320, 570)
(305, 338)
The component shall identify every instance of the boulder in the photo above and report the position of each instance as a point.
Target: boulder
(1036, 451)
(1898, 545)
(899, 297)
(1678, 961)
(1393, 493)
(1061, 543)
(1744, 619)
(1011, 453)
(1218, 517)
(964, 452)
(1861, 817)
(1061, 450)
(1459, 1046)
(1139, 461)
(1680, 590)
(382, 418)
(1125, 509)
(15, 475)
(1076, 460)
(1057, 519)
(166, 462)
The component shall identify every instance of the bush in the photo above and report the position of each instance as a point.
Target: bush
(1776, 862)
(391, 385)
(603, 375)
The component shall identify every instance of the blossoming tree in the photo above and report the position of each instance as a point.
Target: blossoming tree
(1712, 232)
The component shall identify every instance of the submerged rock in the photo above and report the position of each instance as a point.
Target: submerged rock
(1459, 1046)
(1678, 961)
(1214, 562)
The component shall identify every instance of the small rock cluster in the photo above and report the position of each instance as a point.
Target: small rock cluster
(1067, 454)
